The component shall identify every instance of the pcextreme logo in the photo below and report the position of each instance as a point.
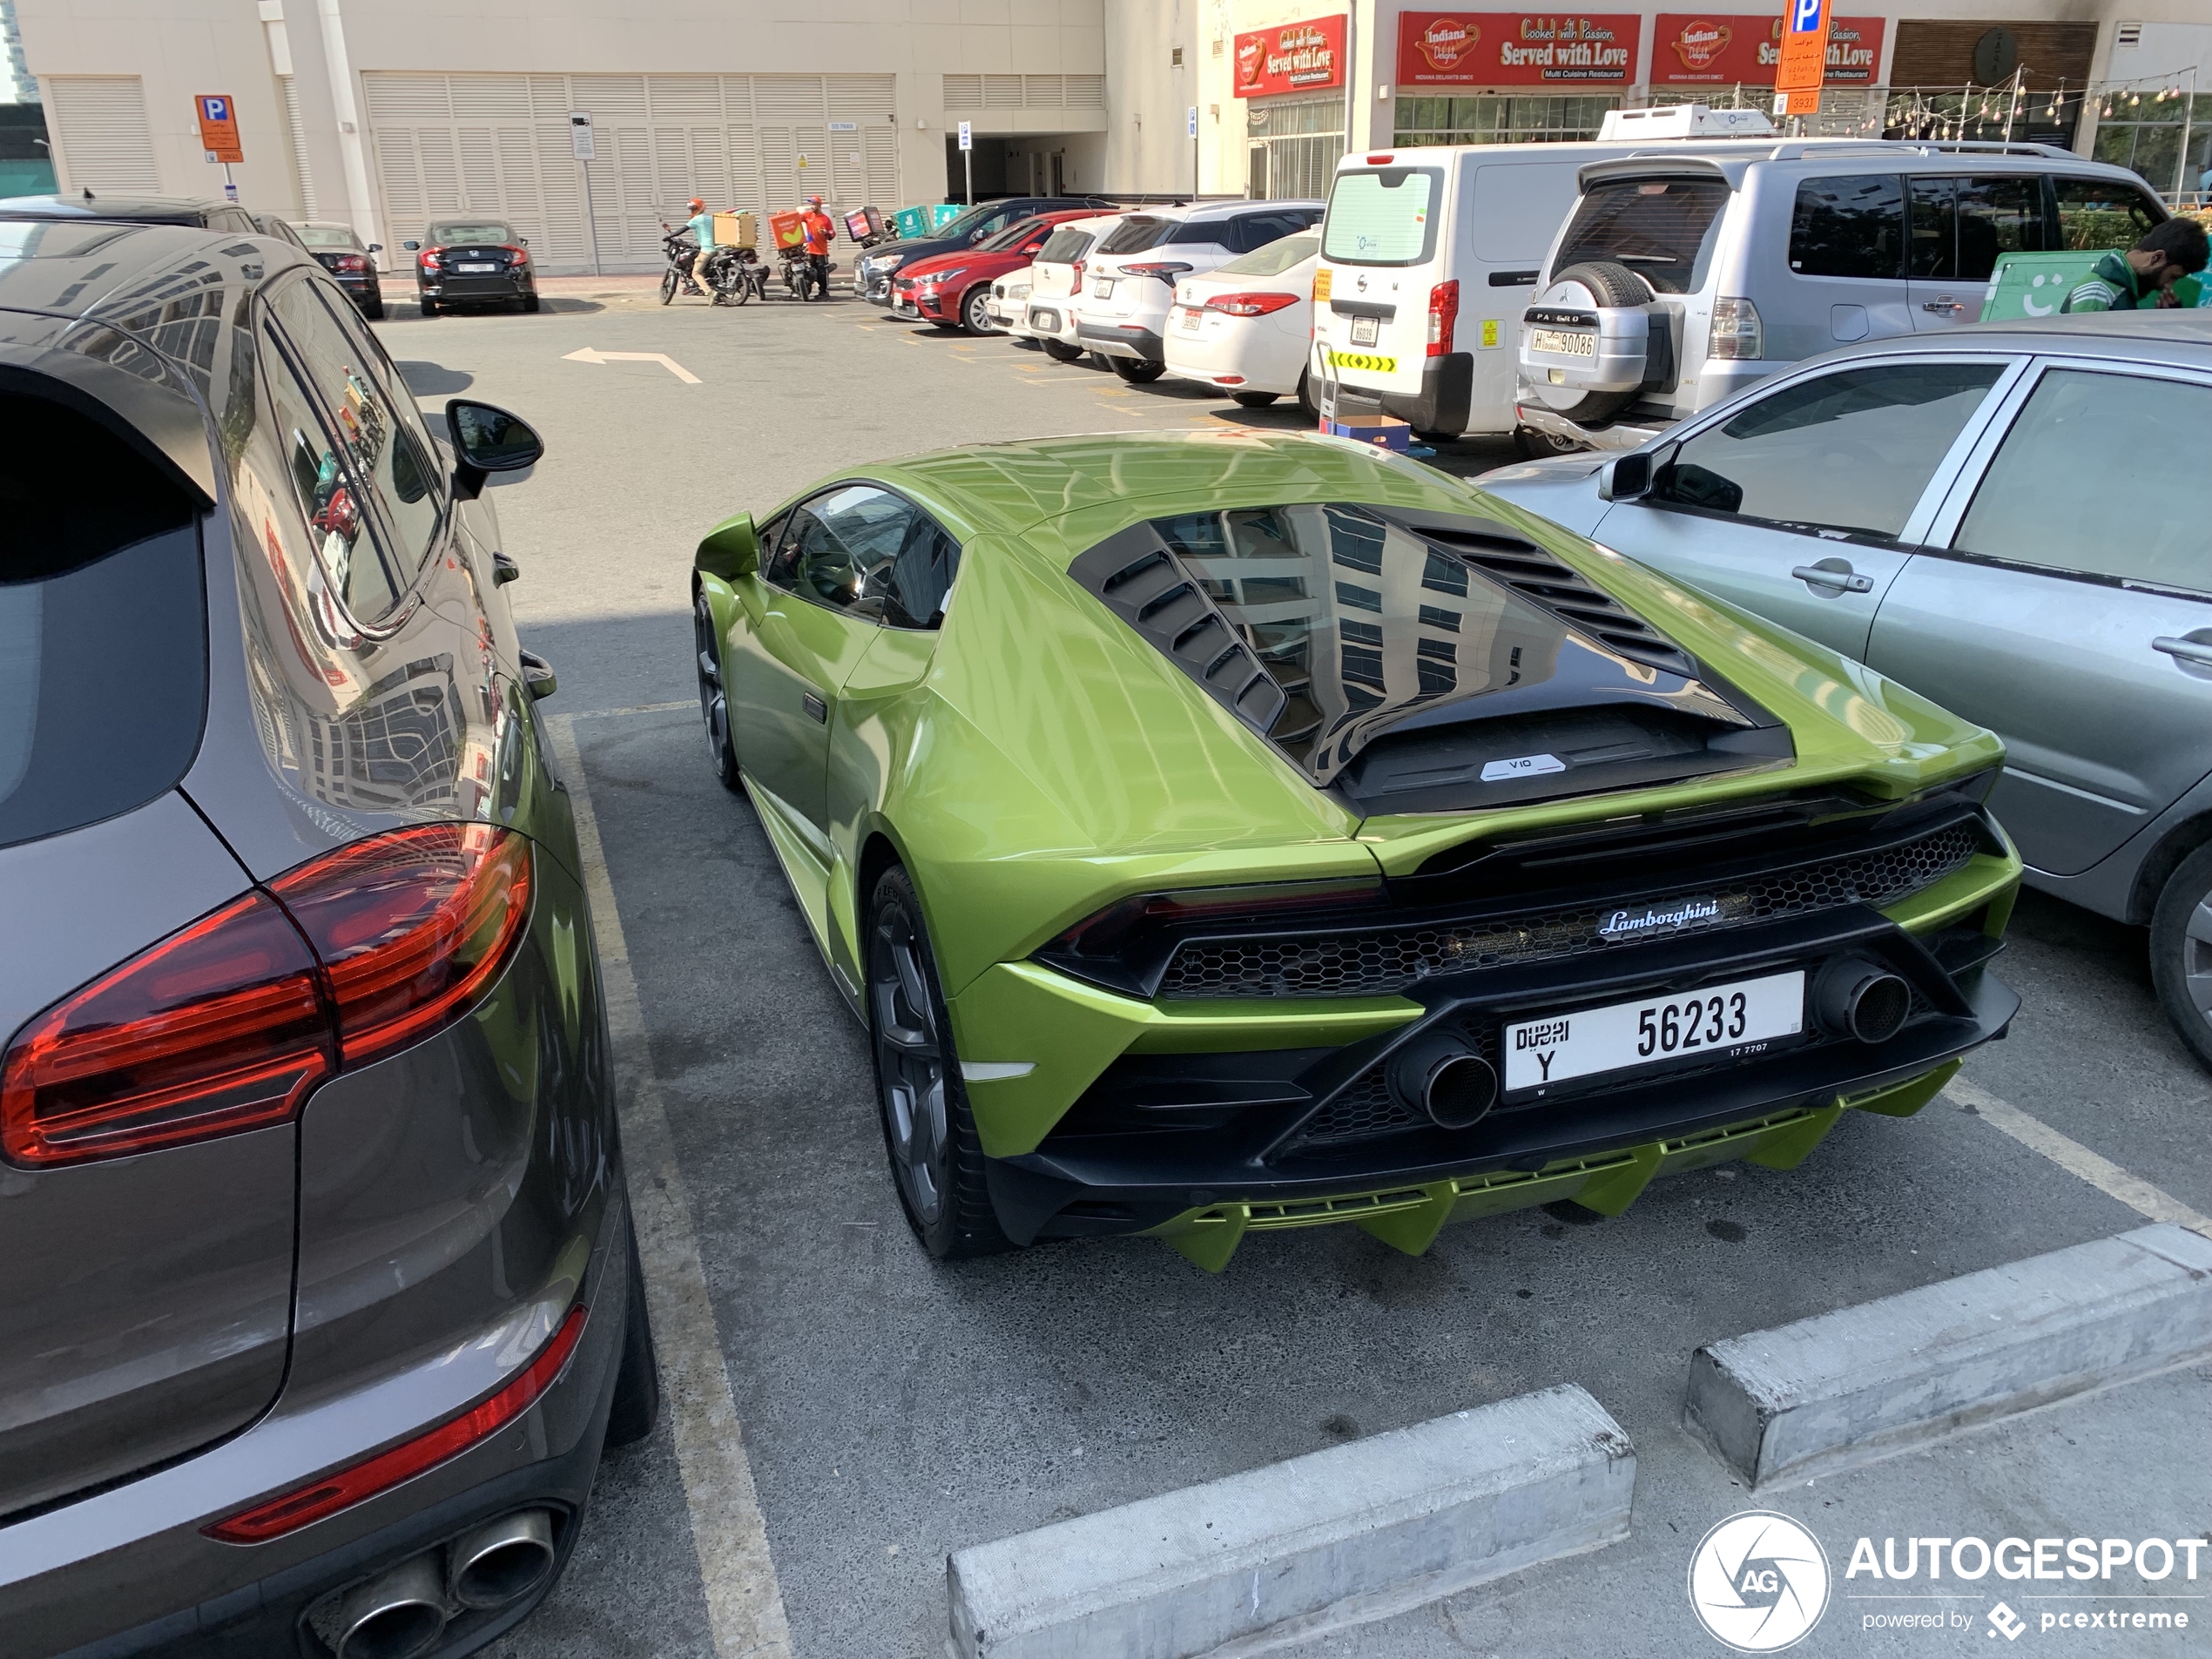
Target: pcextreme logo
(1759, 1582)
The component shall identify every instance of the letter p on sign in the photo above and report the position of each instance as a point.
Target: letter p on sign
(218, 127)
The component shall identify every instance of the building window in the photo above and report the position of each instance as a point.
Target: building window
(2148, 135)
(1497, 118)
(1294, 146)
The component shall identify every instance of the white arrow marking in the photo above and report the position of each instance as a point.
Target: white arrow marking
(591, 355)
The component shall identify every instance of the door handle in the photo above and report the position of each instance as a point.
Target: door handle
(2190, 651)
(1944, 304)
(816, 707)
(1842, 581)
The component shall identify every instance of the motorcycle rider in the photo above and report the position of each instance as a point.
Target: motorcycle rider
(702, 223)
(819, 234)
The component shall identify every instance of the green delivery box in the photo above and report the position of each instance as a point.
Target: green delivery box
(2036, 285)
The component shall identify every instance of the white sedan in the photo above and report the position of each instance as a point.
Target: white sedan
(1246, 326)
(1009, 304)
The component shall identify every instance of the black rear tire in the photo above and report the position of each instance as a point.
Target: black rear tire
(2180, 953)
(1137, 371)
(1255, 400)
(529, 302)
(1060, 351)
(429, 305)
(1305, 395)
(637, 1402)
(1533, 444)
(928, 1133)
(373, 308)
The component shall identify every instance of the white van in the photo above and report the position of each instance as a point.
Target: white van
(1430, 256)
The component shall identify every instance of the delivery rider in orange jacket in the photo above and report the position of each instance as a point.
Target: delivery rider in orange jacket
(820, 232)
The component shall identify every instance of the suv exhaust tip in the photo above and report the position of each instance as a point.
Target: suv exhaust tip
(1856, 998)
(503, 1560)
(1441, 1075)
(395, 1615)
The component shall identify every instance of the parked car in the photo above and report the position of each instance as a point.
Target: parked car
(1007, 308)
(954, 290)
(125, 209)
(1247, 327)
(1234, 831)
(1132, 275)
(1055, 276)
(2008, 519)
(473, 262)
(324, 1292)
(351, 262)
(872, 271)
(1683, 277)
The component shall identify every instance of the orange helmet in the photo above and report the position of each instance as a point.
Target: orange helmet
(696, 205)
(813, 201)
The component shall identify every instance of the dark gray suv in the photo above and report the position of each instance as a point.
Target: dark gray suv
(322, 1294)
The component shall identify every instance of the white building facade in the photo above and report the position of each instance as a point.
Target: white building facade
(386, 113)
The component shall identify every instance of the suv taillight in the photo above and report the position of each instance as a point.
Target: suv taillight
(1443, 316)
(228, 1023)
(1738, 335)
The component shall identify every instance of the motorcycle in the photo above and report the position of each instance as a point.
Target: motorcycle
(681, 249)
(738, 276)
(806, 275)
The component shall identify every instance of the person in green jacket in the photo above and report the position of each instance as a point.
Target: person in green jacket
(2159, 272)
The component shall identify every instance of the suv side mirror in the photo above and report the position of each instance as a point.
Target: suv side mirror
(730, 549)
(411, 246)
(376, 247)
(488, 440)
(1625, 477)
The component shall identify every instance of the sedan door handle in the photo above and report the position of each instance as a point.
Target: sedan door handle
(2190, 651)
(816, 707)
(1842, 581)
(1941, 304)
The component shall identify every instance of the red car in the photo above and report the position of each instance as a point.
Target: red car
(949, 289)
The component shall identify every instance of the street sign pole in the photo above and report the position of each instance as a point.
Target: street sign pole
(1192, 123)
(968, 159)
(218, 139)
(585, 148)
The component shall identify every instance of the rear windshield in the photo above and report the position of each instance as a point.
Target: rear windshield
(102, 625)
(326, 235)
(1386, 217)
(1136, 233)
(1276, 257)
(1064, 245)
(475, 230)
(1657, 227)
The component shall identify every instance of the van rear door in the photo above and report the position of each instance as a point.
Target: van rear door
(1509, 210)
(1382, 247)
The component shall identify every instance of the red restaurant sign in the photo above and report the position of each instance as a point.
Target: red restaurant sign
(1726, 49)
(1291, 57)
(1516, 48)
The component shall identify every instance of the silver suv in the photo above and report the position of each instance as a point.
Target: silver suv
(1680, 278)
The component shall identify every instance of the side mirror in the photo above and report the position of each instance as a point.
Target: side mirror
(411, 246)
(488, 440)
(524, 240)
(1625, 477)
(376, 247)
(730, 549)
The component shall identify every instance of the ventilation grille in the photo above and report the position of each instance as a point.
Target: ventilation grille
(1530, 571)
(1143, 583)
(1391, 960)
(1025, 91)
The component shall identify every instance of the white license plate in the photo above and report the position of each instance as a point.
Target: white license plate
(1045, 322)
(475, 269)
(1364, 330)
(1562, 340)
(1721, 1022)
(1103, 288)
(1191, 318)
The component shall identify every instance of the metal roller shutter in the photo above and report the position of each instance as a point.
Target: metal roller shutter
(499, 144)
(100, 136)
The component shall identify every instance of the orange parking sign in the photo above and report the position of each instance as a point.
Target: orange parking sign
(1804, 63)
(218, 126)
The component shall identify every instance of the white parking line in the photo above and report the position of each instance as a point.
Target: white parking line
(745, 1605)
(2076, 1159)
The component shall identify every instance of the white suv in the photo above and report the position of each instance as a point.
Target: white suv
(1055, 277)
(1130, 278)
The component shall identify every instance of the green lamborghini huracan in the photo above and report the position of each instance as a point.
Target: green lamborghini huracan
(1237, 831)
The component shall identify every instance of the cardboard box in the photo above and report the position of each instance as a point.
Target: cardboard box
(736, 230)
(1381, 431)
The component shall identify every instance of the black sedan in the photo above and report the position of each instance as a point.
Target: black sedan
(351, 262)
(473, 262)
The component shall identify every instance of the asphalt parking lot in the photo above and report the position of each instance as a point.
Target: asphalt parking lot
(893, 1409)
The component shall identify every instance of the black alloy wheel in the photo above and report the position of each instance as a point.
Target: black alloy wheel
(973, 316)
(714, 702)
(1137, 371)
(936, 1157)
(2180, 953)
(1060, 351)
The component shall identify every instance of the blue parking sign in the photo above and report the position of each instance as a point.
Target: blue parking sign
(1804, 15)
